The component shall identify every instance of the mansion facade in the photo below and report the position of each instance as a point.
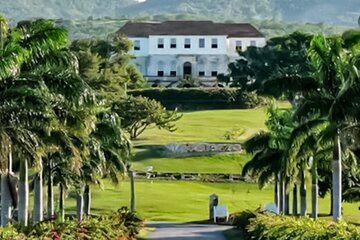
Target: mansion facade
(173, 50)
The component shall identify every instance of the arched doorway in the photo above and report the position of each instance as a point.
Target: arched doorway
(187, 69)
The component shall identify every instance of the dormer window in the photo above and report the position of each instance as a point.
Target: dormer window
(187, 43)
(160, 43)
(173, 43)
(214, 43)
(137, 45)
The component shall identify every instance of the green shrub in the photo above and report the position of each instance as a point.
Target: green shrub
(271, 227)
(242, 219)
(10, 232)
(201, 98)
(122, 224)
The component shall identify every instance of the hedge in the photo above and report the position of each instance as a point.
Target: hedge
(122, 224)
(271, 227)
(201, 98)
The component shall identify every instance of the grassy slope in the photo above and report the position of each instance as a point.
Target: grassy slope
(209, 126)
(222, 163)
(188, 201)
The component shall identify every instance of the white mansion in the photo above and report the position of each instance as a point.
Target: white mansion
(173, 50)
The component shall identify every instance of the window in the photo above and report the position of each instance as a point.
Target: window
(253, 43)
(202, 43)
(214, 73)
(160, 70)
(160, 43)
(214, 43)
(187, 43)
(201, 68)
(173, 43)
(238, 46)
(173, 69)
(136, 45)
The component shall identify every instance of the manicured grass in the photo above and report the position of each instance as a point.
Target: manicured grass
(208, 126)
(188, 201)
(176, 200)
(220, 163)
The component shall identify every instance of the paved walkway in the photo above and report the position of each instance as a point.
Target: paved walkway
(179, 231)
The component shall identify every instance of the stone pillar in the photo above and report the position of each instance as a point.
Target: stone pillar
(214, 200)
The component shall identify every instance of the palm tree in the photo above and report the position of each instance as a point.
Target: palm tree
(269, 154)
(329, 92)
(109, 154)
(28, 48)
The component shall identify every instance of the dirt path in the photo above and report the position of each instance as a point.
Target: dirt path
(179, 231)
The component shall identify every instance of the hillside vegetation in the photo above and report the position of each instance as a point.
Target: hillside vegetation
(102, 27)
(344, 12)
(96, 18)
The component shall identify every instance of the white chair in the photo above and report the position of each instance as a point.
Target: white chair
(149, 168)
(221, 211)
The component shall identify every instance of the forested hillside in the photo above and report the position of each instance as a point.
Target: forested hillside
(344, 12)
(98, 18)
(17, 10)
(101, 27)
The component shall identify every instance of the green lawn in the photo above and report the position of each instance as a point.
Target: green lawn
(209, 126)
(176, 200)
(188, 201)
(220, 163)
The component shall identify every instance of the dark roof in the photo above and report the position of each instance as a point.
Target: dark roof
(139, 29)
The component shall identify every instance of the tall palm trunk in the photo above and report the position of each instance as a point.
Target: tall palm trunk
(38, 196)
(79, 205)
(61, 202)
(87, 200)
(303, 206)
(50, 193)
(337, 179)
(283, 195)
(331, 202)
(314, 191)
(6, 199)
(287, 203)
(295, 201)
(132, 191)
(277, 194)
(23, 193)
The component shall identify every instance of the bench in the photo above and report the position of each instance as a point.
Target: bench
(221, 211)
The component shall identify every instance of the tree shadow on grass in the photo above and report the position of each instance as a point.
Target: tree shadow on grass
(149, 151)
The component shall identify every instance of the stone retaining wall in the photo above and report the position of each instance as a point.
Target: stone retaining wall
(206, 177)
(198, 148)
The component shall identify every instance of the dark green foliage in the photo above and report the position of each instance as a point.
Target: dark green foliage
(268, 149)
(138, 113)
(288, 228)
(198, 98)
(104, 65)
(242, 219)
(281, 56)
